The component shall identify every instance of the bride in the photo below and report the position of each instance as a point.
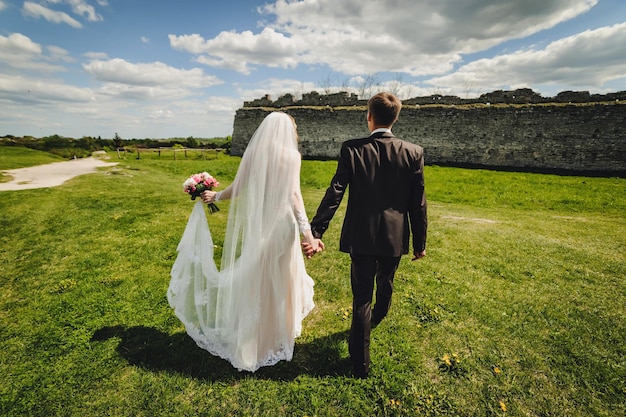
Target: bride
(251, 309)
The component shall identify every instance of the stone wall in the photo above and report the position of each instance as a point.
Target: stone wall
(572, 137)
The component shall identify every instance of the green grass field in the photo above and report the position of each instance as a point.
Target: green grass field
(13, 157)
(517, 310)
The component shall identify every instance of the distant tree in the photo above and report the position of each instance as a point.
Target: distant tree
(327, 83)
(366, 85)
(227, 143)
(87, 142)
(191, 142)
(56, 142)
(395, 85)
(117, 141)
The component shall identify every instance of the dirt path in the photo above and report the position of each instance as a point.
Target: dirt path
(50, 175)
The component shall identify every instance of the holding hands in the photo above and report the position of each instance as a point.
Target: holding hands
(312, 247)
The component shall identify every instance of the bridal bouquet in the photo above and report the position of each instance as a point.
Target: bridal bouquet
(197, 183)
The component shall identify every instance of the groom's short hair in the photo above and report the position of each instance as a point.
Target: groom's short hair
(384, 108)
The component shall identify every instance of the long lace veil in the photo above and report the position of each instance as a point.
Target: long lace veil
(267, 178)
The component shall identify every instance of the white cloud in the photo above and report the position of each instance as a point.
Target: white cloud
(20, 52)
(150, 74)
(276, 88)
(41, 91)
(52, 106)
(154, 98)
(139, 93)
(36, 10)
(428, 42)
(161, 114)
(356, 37)
(590, 58)
(81, 8)
(96, 55)
(238, 51)
(17, 45)
(417, 38)
(59, 54)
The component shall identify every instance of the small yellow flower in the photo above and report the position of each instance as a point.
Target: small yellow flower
(502, 406)
(344, 313)
(446, 359)
(497, 370)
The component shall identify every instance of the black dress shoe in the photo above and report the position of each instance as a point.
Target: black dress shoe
(360, 375)
(360, 372)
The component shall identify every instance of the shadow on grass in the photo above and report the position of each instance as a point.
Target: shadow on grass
(157, 351)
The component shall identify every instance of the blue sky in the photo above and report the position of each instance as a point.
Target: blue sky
(179, 68)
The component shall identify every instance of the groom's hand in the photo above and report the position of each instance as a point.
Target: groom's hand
(311, 249)
(418, 255)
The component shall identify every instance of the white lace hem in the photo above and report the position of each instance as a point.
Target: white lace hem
(283, 352)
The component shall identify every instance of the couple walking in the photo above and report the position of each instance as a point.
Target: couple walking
(250, 311)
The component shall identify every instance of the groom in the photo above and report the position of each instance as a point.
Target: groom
(386, 199)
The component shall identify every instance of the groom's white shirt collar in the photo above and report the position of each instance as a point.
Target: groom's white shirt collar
(381, 129)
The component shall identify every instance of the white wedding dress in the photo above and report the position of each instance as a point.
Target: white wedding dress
(251, 309)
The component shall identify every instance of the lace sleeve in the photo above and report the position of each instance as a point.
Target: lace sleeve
(300, 213)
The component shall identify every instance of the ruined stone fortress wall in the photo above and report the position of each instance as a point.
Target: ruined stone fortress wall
(518, 130)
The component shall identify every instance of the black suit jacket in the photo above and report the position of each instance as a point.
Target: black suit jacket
(386, 197)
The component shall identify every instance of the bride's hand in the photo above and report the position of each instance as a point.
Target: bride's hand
(308, 250)
(208, 196)
(312, 247)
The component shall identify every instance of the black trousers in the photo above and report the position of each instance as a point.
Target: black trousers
(365, 271)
